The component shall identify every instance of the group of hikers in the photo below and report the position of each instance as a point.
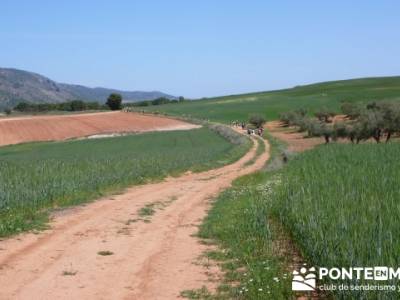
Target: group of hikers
(250, 131)
(239, 124)
(257, 131)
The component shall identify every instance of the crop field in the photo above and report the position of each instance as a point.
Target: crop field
(341, 205)
(270, 104)
(38, 176)
(338, 204)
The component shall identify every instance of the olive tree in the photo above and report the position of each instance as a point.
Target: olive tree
(351, 110)
(257, 120)
(320, 129)
(391, 118)
(324, 115)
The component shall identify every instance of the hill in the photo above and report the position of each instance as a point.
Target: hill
(327, 94)
(18, 85)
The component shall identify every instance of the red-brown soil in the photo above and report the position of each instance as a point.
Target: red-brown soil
(296, 142)
(62, 127)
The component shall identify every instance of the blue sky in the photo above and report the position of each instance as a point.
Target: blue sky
(201, 48)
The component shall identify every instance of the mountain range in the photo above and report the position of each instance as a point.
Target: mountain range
(23, 86)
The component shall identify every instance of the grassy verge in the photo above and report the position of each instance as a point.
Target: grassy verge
(341, 204)
(239, 225)
(37, 177)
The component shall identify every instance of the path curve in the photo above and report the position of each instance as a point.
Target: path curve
(150, 260)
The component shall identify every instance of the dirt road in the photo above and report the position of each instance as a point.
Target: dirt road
(150, 260)
(62, 127)
(296, 142)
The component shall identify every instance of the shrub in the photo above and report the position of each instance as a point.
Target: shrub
(228, 133)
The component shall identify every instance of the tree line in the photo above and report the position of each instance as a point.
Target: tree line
(114, 102)
(74, 105)
(158, 101)
(360, 122)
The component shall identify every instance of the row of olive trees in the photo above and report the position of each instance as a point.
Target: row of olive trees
(375, 120)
